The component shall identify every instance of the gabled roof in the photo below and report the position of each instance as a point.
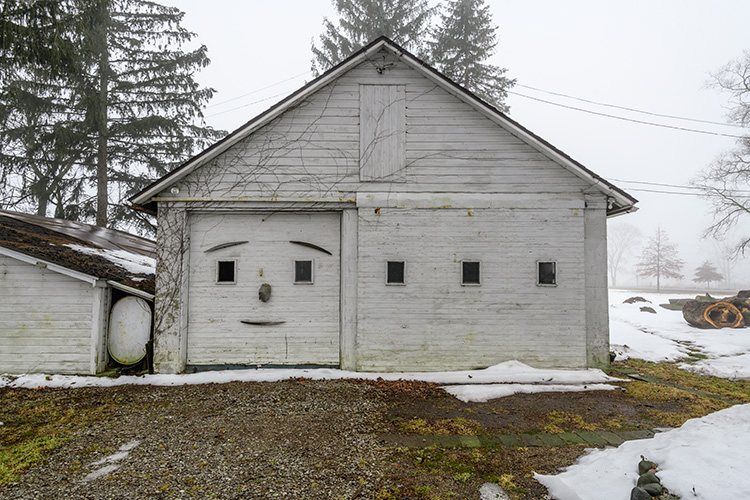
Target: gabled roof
(621, 202)
(88, 251)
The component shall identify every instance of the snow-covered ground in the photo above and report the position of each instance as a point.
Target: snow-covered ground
(706, 458)
(665, 336)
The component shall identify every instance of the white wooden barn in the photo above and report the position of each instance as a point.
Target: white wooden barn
(58, 280)
(381, 218)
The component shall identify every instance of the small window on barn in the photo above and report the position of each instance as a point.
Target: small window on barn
(303, 272)
(547, 273)
(395, 272)
(226, 272)
(470, 274)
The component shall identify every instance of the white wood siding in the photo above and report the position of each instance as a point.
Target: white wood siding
(312, 151)
(45, 320)
(434, 323)
(309, 333)
(382, 133)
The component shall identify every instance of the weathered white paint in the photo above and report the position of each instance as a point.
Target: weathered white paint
(170, 301)
(102, 296)
(303, 320)
(462, 200)
(597, 304)
(433, 323)
(349, 278)
(382, 132)
(307, 153)
(46, 320)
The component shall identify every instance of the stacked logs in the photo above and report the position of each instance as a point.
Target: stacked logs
(729, 312)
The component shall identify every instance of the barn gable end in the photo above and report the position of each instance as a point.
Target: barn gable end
(381, 164)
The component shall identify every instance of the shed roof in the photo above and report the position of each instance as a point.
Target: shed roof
(108, 254)
(620, 201)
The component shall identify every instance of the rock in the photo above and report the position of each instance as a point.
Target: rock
(647, 309)
(653, 489)
(645, 466)
(639, 494)
(648, 478)
(612, 356)
(633, 300)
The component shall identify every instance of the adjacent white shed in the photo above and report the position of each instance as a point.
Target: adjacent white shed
(58, 280)
(381, 218)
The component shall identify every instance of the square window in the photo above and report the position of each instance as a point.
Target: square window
(303, 272)
(226, 272)
(395, 273)
(547, 273)
(470, 274)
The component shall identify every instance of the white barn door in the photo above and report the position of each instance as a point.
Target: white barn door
(292, 260)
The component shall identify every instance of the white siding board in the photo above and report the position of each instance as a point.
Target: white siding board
(46, 323)
(434, 323)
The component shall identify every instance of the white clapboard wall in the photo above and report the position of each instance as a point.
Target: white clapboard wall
(45, 320)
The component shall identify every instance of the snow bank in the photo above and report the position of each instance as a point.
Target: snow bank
(705, 459)
(483, 393)
(508, 372)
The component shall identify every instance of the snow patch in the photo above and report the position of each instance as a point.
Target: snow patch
(491, 491)
(133, 263)
(704, 459)
(508, 372)
(114, 461)
(484, 393)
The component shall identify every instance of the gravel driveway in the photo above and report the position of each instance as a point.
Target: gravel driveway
(294, 439)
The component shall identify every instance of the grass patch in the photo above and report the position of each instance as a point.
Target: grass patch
(737, 390)
(562, 421)
(442, 426)
(687, 404)
(33, 427)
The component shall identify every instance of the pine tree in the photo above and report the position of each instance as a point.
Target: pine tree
(706, 273)
(129, 113)
(361, 21)
(463, 43)
(660, 259)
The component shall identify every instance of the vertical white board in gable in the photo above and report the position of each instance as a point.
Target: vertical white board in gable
(382, 132)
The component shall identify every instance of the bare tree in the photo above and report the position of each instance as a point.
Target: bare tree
(726, 255)
(726, 182)
(659, 259)
(622, 239)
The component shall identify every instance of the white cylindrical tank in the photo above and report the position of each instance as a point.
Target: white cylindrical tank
(129, 330)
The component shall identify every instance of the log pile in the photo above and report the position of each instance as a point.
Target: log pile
(729, 312)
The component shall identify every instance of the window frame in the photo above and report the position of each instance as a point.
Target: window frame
(479, 272)
(395, 283)
(218, 273)
(539, 273)
(312, 272)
